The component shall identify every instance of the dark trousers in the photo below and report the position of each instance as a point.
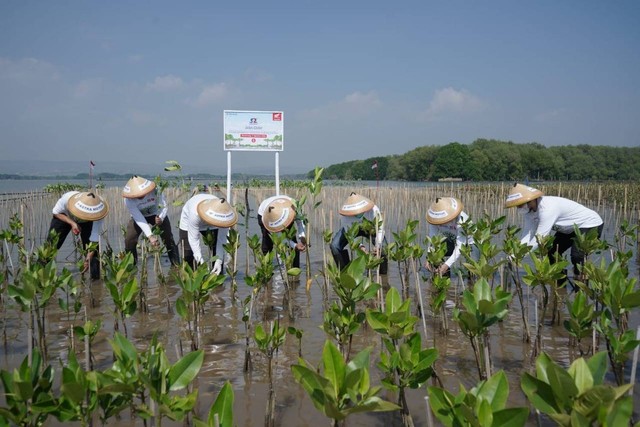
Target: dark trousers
(341, 254)
(267, 243)
(133, 233)
(210, 238)
(62, 229)
(562, 242)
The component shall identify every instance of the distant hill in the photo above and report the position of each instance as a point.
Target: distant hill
(493, 160)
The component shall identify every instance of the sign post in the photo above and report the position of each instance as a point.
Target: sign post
(253, 131)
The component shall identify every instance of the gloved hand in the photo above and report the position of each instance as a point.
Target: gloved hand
(217, 267)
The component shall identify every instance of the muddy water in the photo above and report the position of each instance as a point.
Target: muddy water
(223, 338)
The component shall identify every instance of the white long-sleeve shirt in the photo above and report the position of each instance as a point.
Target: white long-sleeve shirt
(300, 228)
(149, 204)
(191, 222)
(559, 214)
(61, 208)
(347, 222)
(452, 229)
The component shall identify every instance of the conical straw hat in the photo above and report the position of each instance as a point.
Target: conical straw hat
(443, 210)
(355, 204)
(137, 186)
(217, 212)
(87, 206)
(278, 215)
(521, 194)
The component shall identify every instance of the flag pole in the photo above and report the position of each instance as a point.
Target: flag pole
(91, 165)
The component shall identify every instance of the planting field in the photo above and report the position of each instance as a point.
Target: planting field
(259, 367)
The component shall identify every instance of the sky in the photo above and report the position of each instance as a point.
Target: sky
(148, 81)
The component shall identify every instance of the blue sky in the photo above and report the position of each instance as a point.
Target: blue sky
(147, 82)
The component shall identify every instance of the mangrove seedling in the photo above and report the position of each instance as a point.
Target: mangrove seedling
(340, 389)
(483, 405)
(579, 395)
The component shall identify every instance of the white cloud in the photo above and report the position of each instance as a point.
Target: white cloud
(135, 58)
(449, 101)
(551, 115)
(257, 75)
(144, 118)
(356, 104)
(88, 88)
(27, 69)
(165, 83)
(210, 95)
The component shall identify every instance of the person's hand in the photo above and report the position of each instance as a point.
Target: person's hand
(153, 239)
(442, 269)
(87, 261)
(363, 248)
(428, 266)
(158, 220)
(217, 267)
(301, 246)
(75, 229)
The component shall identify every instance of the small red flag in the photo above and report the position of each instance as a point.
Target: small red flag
(374, 165)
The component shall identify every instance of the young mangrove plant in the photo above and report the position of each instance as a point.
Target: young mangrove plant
(28, 392)
(516, 251)
(580, 324)
(405, 363)
(436, 249)
(483, 405)
(401, 250)
(231, 248)
(351, 286)
(340, 389)
(163, 380)
(579, 395)
(269, 342)
(196, 289)
(285, 255)
(482, 310)
(120, 279)
(617, 296)
(315, 189)
(257, 282)
(539, 276)
(221, 412)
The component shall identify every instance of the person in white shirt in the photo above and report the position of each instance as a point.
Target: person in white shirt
(147, 208)
(354, 209)
(542, 214)
(80, 213)
(445, 217)
(276, 214)
(206, 214)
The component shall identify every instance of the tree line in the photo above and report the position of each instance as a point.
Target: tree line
(494, 160)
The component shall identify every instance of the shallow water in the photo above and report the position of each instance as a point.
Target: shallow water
(223, 336)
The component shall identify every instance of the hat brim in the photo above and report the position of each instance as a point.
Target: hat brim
(84, 214)
(217, 219)
(520, 198)
(138, 192)
(438, 218)
(356, 208)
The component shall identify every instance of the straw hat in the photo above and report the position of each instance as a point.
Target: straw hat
(137, 186)
(217, 212)
(355, 204)
(278, 215)
(87, 206)
(521, 194)
(443, 210)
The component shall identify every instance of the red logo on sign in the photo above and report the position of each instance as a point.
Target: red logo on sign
(253, 140)
(277, 117)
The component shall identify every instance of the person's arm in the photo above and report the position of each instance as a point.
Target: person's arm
(138, 217)
(65, 218)
(193, 235)
(164, 207)
(379, 222)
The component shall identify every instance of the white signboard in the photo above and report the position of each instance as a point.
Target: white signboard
(253, 130)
